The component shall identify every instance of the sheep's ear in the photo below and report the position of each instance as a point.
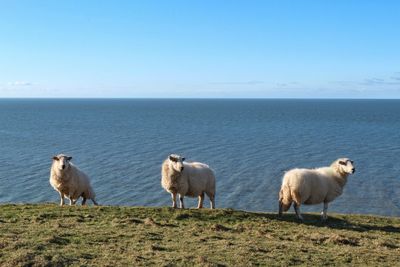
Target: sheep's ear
(342, 162)
(69, 158)
(55, 158)
(171, 158)
(183, 159)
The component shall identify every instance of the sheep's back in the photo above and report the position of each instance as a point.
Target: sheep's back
(82, 183)
(310, 184)
(201, 178)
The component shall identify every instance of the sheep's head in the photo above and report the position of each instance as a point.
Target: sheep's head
(345, 165)
(176, 162)
(62, 162)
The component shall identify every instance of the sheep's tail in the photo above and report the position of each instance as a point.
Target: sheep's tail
(285, 199)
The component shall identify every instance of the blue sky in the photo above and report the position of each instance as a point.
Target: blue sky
(270, 49)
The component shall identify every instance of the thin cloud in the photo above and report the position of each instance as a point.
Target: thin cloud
(394, 80)
(289, 84)
(254, 82)
(378, 81)
(281, 84)
(343, 83)
(19, 83)
(396, 76)
(373, 81)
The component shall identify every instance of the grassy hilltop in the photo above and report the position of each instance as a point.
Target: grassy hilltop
(47, 235)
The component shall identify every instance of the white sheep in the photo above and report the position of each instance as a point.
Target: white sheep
(192, 179)
(314, 186)
(69, 181)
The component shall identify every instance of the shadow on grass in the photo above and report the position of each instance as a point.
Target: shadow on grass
(162, 215)
(334, 223)
(231, 215)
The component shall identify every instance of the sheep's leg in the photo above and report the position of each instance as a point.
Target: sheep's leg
(95, 202)
(212, 201)
(280, 208)
(201, 199)
(72, 201)
(323, 213)
(173, 195)
(182, 206)
(83, 201)
(297, 210)
(61, 199)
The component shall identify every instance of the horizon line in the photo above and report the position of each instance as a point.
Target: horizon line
(193, 98)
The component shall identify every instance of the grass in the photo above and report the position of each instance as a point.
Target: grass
(48, 235)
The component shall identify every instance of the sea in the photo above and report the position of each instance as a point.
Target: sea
(250, 143)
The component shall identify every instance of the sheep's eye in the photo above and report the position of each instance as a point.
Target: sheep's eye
(351, 161)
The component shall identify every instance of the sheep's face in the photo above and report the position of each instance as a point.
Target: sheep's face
(346, 165)
(62, 162)
(176, 162)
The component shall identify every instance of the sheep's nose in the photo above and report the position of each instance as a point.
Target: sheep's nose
(182, 168)
(353, 170)
(63, 167)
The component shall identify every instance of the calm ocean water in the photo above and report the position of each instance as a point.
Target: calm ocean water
(121, 144)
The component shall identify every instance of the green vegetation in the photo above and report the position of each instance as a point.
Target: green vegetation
(48, 235)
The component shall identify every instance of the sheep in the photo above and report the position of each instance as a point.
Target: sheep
(69, 181)
(314, 186)
(187, 179)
